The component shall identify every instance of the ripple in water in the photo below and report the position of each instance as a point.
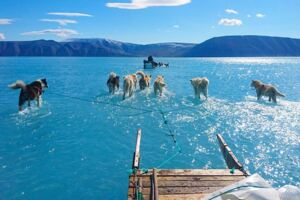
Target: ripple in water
(83, 149)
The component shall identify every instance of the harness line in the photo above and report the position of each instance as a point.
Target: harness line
(160, 111)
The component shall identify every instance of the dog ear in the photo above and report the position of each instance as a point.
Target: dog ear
(150, 75)
(45, 82)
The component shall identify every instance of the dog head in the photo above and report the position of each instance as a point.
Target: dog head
(147, 78)
(192, 82)
(160, 78)
(134, 77)
(112, 75)
(160, 81)
(255, 83)
(44, 83)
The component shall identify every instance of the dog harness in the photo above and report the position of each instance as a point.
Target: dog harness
(39, 91)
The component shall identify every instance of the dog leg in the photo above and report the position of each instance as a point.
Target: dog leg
(21, 101)
(205, 92)
(198, 93)
(258, 95)
(270, 98)
(28, 102)
(258, 98)
(38, 101)
(160, 92)
(131, 89)
(195, 92)
(274, 99)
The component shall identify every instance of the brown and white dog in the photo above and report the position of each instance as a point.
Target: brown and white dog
(32, 91)
(266, 90)
(159, 84)
(129, 85)
(113, 82)
(200, 85)
(144, 81)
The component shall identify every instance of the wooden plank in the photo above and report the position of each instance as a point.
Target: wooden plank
(188, 183)
(177, 190)
(175, 197)
(229, 157)
(154, 186)
(184, 183)
(193, 178)
(195, 172)
(183, 197)
(136, 158)
(141, 184)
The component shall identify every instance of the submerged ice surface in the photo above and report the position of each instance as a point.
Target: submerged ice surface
(82, 147)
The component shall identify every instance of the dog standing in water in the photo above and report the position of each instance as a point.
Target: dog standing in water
(113, 83)
(159, 84)
(32, 91)
(129, 85)
(144, 82)
(200, 85)
(266, 90)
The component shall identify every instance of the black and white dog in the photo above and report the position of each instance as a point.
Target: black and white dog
(113, 82)
(32, 91)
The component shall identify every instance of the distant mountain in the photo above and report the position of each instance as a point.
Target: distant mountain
(90, 47)
(245, 46)
(226, 46)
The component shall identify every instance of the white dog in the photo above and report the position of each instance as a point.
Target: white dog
(129, 85)
(200, 85)
(159, 84)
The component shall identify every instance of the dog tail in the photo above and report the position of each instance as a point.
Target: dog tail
(17, 85)
(279, 94)
(142, 74)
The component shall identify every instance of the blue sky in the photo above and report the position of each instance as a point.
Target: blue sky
(147, 21)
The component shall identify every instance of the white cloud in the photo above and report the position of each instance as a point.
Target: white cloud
(67, 14)
(248, 15)
(62, 22)
(57, 32)
(5, 21)
(231, 11)
(230, 22)
(176, 26)
(260, 15)
(141, 4)
(2, 37)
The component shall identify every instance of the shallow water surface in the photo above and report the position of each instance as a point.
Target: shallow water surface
(79, 145)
